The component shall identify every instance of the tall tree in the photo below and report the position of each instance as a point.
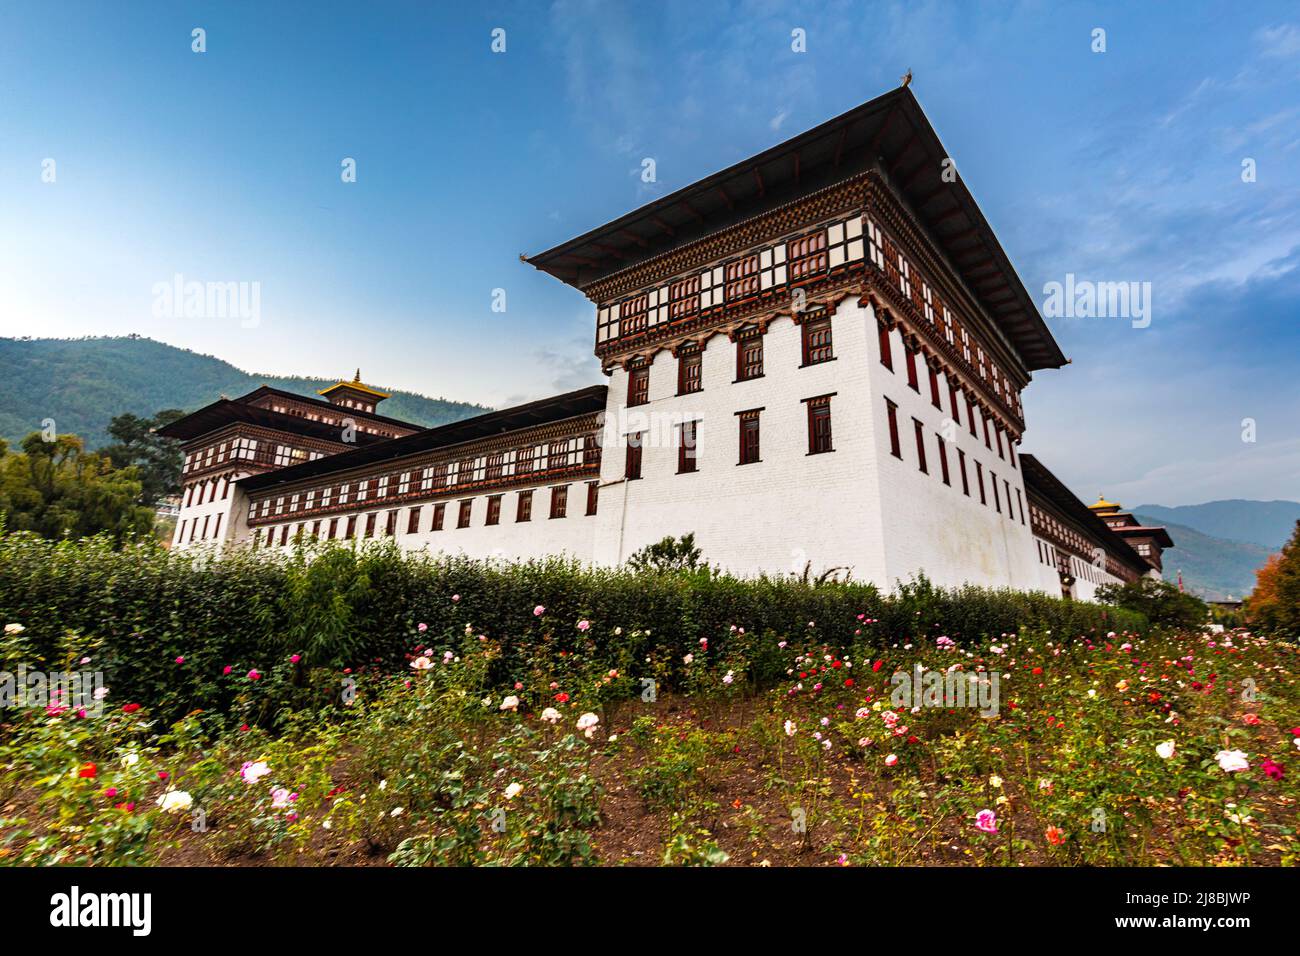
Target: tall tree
(157, 460)
(57, 489)
(1274, 605)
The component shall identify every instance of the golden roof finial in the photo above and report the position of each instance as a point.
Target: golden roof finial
(357, 379)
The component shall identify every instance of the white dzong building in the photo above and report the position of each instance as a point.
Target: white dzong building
(815, 362)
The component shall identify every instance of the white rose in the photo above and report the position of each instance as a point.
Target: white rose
(1231, 761)
(175, 801)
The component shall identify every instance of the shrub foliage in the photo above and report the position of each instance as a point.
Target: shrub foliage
(139, 608)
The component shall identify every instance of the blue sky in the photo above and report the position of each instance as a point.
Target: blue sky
(225, 166)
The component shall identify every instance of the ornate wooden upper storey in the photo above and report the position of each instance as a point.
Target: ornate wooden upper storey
(868, 202)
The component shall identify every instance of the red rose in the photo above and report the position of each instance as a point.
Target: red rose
(88, 770)
(130, 708)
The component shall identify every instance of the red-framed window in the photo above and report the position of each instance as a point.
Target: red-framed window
(886, 352)
(979, 480)
(634, 314)
(372, 519)
(690, 372)
(632, 462)
(638, 386)
(390, 524)
(439, 516)
(352, 528)
(524, 508)
(807, 255)
(493, 509)
(684, 298)
(526, 460)
(412, 521)
(741, 277)
(920, 446)
(819, 424)
(463, 515)
(687, 437)
(895, 448)
(817, 340)
(912, 382)
(943, 460)
(559, 501)
(934, 389)
(749, 436)
(749, 357)
(593, 496)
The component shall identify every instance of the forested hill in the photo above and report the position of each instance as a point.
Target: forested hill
(83, 383)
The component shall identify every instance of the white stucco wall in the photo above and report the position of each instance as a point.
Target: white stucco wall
(935, 528)
(570, 536)
(192, 516)
(776, 515)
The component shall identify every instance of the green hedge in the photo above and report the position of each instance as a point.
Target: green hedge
(139, 608)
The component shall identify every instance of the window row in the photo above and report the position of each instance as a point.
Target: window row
(887, 257)
(748, 424)
(250, 450)
(310, 413)
(816, 348)
(347, 527)
(206, 490)
(976, 419)
(532, 459)
(199, 528)
(922, 439)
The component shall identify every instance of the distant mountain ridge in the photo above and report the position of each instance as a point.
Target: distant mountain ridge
(1217, 569)
(1267, 523)
(83, 383)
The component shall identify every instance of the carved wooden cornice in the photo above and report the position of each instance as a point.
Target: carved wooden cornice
(799, 214)
(825, 293)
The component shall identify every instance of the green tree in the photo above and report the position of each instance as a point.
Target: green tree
(670, 554)
(1162, 603)
(157, 460)
(57, 489)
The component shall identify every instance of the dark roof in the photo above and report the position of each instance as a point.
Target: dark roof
(322, 403)
(1160, 534)
(228, 411)
(889, 132)
(1046, 485)
(556, 408)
